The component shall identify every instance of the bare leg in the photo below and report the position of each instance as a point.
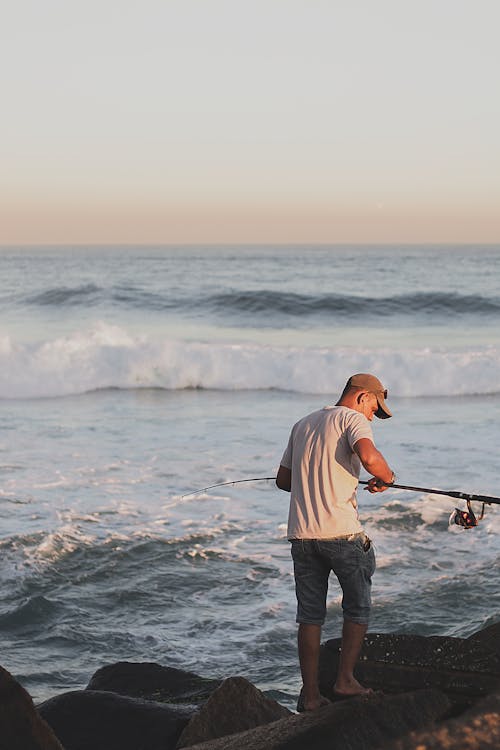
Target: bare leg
(352, 640)
(309, 641)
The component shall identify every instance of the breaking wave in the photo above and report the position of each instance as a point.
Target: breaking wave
(109, 357)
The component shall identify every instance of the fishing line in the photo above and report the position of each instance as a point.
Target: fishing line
(225, 484)
(465, 518)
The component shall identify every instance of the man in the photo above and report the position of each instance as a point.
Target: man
(320, 468)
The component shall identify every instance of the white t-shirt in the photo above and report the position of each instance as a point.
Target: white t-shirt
(325, 473)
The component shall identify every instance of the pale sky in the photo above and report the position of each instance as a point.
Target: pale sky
(205, 121)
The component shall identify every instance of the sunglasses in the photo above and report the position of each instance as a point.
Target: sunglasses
(383, 393)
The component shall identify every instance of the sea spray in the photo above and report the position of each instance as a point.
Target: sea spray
(109, 357)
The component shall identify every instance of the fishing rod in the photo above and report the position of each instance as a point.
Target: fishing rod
(487, 499)
(465, 518)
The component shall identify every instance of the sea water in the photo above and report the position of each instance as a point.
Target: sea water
(131, 377)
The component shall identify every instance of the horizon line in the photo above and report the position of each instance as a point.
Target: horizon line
(239, 243)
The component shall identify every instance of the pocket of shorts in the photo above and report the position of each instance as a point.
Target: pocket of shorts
(370, 556)
(297, 550)
(367, 556)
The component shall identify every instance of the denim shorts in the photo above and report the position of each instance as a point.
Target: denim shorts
(313, 559)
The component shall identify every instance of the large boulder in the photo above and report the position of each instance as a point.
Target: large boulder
(93, 720)
(477, 729)
(355, 724)
(234, 707)
(153, 682)
(21, 728)
(464, 669)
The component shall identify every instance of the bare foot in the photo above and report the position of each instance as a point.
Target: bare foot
(312, 703)
(350, 689)
(315, 704)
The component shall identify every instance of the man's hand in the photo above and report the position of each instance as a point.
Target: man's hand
(378, 485)
(284, 479)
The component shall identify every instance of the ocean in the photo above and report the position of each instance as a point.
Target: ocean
(131, 377)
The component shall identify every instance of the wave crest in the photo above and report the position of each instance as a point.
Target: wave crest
(352, 306)
(60, 296)
(109, 357)
(268, 302)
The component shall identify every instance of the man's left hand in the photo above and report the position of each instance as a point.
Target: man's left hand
(377, 485)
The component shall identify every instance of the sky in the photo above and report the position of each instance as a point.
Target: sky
(252, 121)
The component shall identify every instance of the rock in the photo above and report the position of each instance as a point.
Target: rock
(21, 728)
(154, 682)
(356, 724)
(477, 729)
(235, 706)
(93, 720)
(464, 669)
(489, 637)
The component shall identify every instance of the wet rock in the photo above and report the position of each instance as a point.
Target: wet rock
(477, 729)
(21, 727)
(489, 637)
(93, 720)
(153, 682)
(234, 707)
(464, 669)
(356, 724)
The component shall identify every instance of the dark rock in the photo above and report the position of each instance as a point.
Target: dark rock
(154, 682)
(477, 729)
(21, 728)
(464, 669)
(356, 724)
(489, 637)
(234, 707)
(93, 720)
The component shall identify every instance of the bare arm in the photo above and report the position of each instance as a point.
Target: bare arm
(375, 464)
(284, 479)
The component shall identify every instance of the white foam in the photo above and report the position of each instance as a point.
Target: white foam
(108, 357)
(434, 508)
(387, 560)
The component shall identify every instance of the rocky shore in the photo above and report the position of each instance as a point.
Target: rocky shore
(432, 693)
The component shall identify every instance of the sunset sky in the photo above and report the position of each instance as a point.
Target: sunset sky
(205, 121)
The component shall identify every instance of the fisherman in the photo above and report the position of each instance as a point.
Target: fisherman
(320, 468)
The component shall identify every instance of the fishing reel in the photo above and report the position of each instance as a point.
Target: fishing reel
(466, 518)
